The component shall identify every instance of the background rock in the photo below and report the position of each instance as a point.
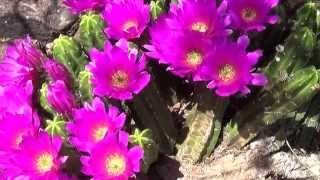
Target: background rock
(42, 19)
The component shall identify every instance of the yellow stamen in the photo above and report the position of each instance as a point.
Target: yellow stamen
(129, 24)
(248, 14)
(227, 73)
(200, 27)
(120, 79)
(44, 162)
(115, 164)
(99, 133)
(194, 58)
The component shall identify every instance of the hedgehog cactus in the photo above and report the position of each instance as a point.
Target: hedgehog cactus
(156, 8)
(91, 31)
(145, 140)
(68, 52)
(85, 87)
(56, 126)
(204, 126)
(43, 98)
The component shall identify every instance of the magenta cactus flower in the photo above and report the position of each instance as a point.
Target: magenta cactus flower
(79, 6)
(117, 72)
(13, 128)
(38, 157)
(92, 123)
(111, 159)
(57, 71)
(60, 98)
(21, 63)
(16, 100)
(202, 16)
(230, 69)
(126, 18)
(185, 54)
(248, 15)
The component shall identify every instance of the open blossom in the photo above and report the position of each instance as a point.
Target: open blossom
(230, 70)
(117, 72)
(92, 123)
(78, 6)
(185, 54)
(61, 98)
(250, 15)
(202, 16)
(21, 63)
(57, 71)
(111, 159)
(126, 18)
(38, 157)
(16, 99)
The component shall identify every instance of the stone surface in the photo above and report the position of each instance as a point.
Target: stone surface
(42, 19)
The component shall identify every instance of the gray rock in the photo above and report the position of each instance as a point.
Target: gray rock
(42, 19)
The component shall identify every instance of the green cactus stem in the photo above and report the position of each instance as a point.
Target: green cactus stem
(309, 15)
(68, 52)
(91, 34)
(85, 87)
(145, 140)
(278, 103)
(150, 112)
(205, 126)
(56, 126)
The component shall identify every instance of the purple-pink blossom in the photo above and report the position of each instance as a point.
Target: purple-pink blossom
(92, 123)
(248, 15)
(79, 6)
(231, 68)
(126, 18)
(117, 72)
(57, 71)
(111, 159)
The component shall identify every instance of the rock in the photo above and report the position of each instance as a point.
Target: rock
(42, 19)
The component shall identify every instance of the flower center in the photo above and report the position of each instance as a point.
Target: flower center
(45, 163)
(115, 164)
(248, 14)
(129, 24)
(99, 133)
(120, 79)
(200, 27)
(194, 58)
(227, 73)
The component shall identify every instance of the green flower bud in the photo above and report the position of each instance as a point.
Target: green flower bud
(157, 7)
(85, 86)
(43, 98)
(68, 52)
(91, 31)
(145, 140)
(56, 126)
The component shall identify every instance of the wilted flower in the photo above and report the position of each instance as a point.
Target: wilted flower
(21, 63)
(38, 157)
(92, 123)
(126, 18)
(200, 16)
(250, 15)
(57, 71)
(60, 98)
(230, 69)
(185, 54)
(78, 6)
(111, 159)
(117, 72)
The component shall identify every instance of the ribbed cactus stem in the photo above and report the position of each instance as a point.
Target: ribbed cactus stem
(56, 126)
(85, 87)
(43, 98)
(296, 92)
(205, 126)
(151, 112)
(157, 7)
(68, 52)
(91, 33)
(145, 140)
